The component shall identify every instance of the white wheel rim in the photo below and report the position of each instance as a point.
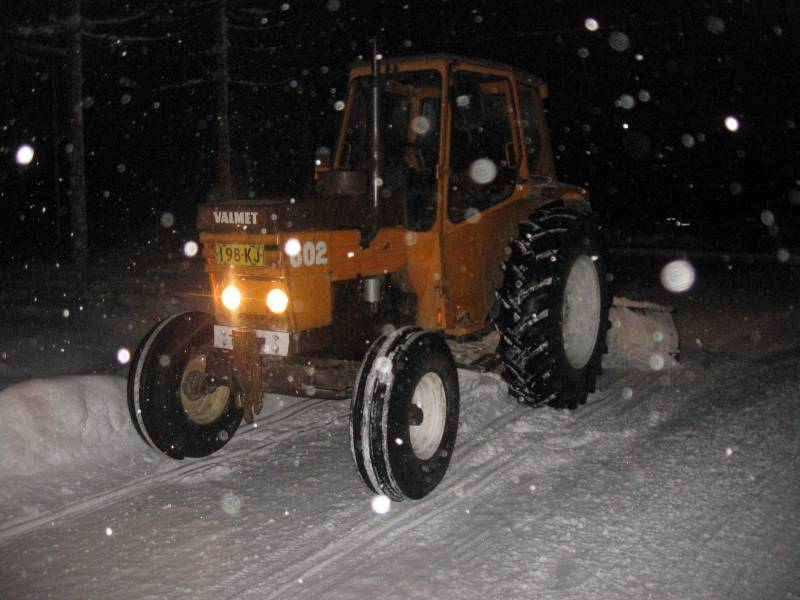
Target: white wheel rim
(430, 397)
(580, 320)
(206, 408)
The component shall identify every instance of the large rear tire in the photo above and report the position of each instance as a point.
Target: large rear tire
(404, 414)
(554, 306)
(174, 408)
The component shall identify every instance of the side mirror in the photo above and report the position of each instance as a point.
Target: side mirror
(467, 104)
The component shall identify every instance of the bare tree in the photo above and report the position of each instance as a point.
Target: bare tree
(75, 146)
(221, 82)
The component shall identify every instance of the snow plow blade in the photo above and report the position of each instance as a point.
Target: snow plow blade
(642, 335)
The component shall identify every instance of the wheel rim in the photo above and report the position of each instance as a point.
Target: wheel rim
(581, 312)
(430, 398)
(204, 408)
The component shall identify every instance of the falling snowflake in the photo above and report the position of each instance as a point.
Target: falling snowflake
(619, 41)
(230, 503)
(421, 125)
(190, 249)
(123, 356)
(678, 276)
(24, 155)
(381, 504)
(292, 247)
(626, 101)
(715, 25)
(483, 171)
(656, 362)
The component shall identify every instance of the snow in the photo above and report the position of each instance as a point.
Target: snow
(678, 483)
(63, 421)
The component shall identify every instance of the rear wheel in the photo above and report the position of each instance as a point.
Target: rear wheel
(554, 306)
(404, 414)
(175, 406)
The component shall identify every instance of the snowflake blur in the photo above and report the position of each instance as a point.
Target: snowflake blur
(678, 276)
(190, 249)
(123, 356)
(24, 155)
(381, 504)
(483, 171)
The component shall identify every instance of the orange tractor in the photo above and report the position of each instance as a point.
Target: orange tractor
(437, 217)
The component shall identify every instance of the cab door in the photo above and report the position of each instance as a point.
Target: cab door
(485, 196)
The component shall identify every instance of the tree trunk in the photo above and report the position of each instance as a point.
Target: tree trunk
(75, 148)
(57, 146)
(224, 177)
(306, 154)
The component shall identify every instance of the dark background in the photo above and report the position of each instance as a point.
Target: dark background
(665, 172)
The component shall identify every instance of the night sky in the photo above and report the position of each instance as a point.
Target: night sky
(638, 108)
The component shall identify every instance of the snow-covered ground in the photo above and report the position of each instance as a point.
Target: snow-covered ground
(676, 483)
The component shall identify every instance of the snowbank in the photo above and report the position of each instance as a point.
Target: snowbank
(47, 423)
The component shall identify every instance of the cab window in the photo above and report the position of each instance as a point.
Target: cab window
(530, 128)
(410, 107)
(484, 161)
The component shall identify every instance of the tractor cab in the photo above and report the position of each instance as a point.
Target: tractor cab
(473, 126)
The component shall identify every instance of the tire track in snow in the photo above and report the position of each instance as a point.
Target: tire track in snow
(364, 530)
(92, 502)
(611, 401)
(366, 539)
(732, 581)
(462, 485)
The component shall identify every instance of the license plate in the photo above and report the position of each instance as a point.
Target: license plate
(275, 343)
(240, 255)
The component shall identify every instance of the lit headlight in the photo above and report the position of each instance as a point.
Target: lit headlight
(277, 301)
(231, 297)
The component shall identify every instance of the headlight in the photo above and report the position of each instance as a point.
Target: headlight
(277, 301)
(231, 297)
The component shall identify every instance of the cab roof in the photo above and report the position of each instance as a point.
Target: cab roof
(455, 58)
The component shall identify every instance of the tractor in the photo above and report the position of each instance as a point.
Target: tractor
(436, 218)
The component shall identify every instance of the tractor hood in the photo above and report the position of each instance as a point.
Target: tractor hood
(333, 207)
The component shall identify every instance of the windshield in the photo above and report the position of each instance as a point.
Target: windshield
(410, 115)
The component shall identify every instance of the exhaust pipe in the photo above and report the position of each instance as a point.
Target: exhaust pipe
(376, 148)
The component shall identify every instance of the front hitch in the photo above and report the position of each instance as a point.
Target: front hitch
(246, 370)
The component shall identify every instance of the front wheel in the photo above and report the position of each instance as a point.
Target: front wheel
(554, 306)
(175, 406)
(404, 414)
